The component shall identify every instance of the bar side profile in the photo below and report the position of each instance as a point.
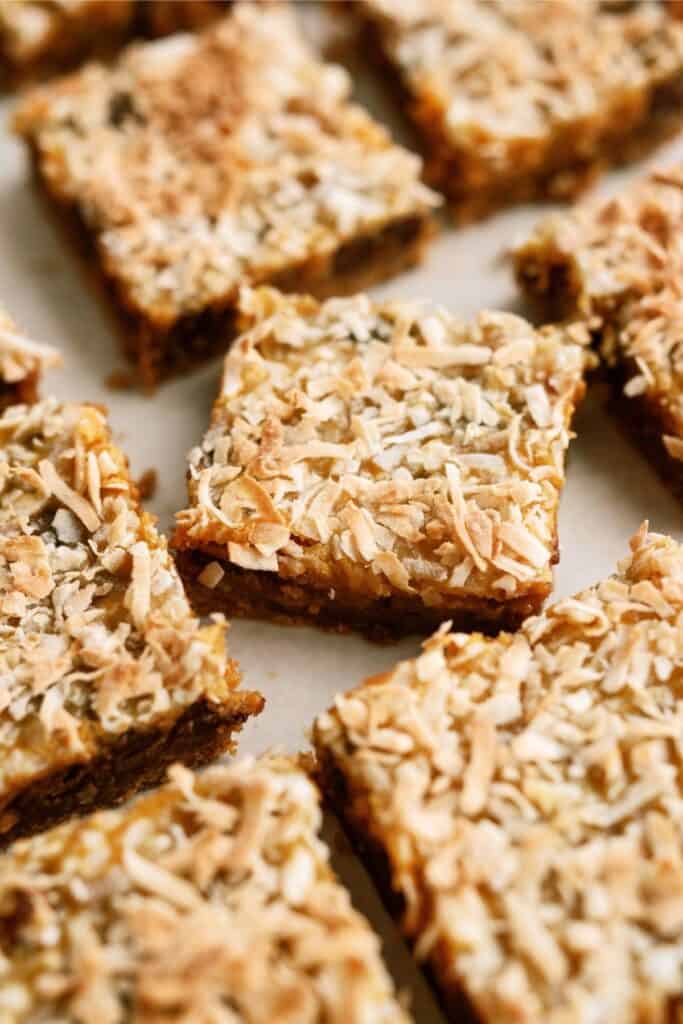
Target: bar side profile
(106, 676)
(516, 100)
(381, 466)
(270, 175)
(617, 263)
(211, 899)
(519, 802)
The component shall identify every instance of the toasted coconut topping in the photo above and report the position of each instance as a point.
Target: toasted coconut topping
(527, 792)
(363, 443)
(96, 635)
(201, 161)
(210, 900)
(499, 71)
(20, 357)
(619, 262)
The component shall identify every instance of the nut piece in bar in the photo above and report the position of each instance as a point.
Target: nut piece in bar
(202, 162)
(520, 801)
(618, 263)
(39, 38)
(211, 899)
(381, 466)
(106, 676)
(521, 99)
(22, 363)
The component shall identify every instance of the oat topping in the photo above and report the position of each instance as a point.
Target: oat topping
(202, 161)
(209, 900)
(527, 791)
(621, 266)
(388, 445)
(497, 72)
(19, 357)
(96, 635)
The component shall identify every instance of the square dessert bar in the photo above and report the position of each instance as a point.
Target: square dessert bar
(106, 677)
(202, 162)
(211, 899)
(519, 99)
(383, 466)
(42, 37)
(619, 264)
(21, 363)
(520, 801)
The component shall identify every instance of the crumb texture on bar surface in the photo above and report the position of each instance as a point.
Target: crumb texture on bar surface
(97, 640)
(619, 263)
(387, 448)
(209, 900)
(525, 792)
(511, 93)
(202, 161)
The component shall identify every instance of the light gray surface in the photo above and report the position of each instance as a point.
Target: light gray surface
(610, 487)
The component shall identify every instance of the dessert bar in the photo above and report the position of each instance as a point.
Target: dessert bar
(106, 677)
(39, 38)
(521, 99)
(201, 162)
(22, 363)
(382, 466)
(618, 263)
(211, 899)
(520, 801)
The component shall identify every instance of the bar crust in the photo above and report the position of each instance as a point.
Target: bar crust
(516, 100)
(107, 677)
(272, 175)
(381, 466)
(519, 801)
(212, 894)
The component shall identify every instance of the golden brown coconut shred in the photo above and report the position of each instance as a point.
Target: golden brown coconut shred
(391, 443)
(209, 900)
(96, 635)
(527, 792)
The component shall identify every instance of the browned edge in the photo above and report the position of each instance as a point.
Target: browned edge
(136, 760)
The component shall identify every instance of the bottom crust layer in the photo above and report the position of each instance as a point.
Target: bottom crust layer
(348, 808)
(134, 761)
(264, 595)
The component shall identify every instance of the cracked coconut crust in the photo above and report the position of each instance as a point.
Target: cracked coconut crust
(619, 264)
(203, 162)
(211, 899)
(517, 99)
(39, 38)
(22, 363)
(105, 674)
(381, 464)
(523, 797)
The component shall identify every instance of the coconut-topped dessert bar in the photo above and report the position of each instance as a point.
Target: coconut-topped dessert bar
(204, 161)
(383, 466)
(519, 800)
(106, 677)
